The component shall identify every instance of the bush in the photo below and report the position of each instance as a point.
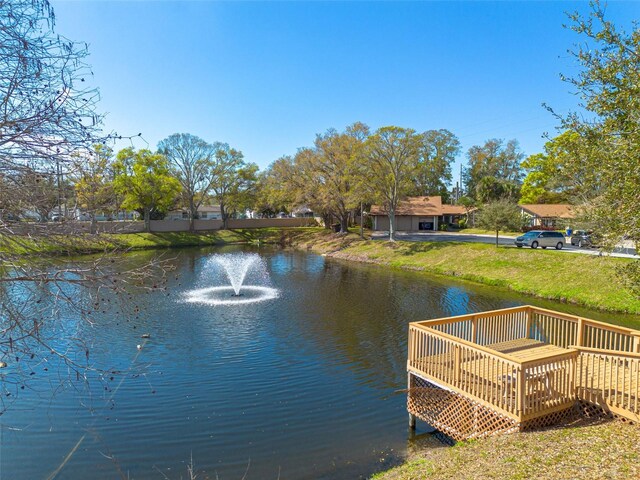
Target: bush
(462, 223)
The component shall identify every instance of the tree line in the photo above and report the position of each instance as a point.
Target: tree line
(48, 151)
(52, 149)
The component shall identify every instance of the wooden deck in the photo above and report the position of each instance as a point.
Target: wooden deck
(526, 364)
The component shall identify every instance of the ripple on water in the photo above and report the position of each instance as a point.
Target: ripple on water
(226, 295)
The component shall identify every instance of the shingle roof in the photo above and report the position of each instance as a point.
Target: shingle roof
(550, 210)
(455, 210)
(421, 206)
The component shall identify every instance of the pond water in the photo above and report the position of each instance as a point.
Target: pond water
(302, 386)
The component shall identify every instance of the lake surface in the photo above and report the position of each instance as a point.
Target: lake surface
(303, 386)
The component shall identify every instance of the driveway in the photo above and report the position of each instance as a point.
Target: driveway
(506, 241)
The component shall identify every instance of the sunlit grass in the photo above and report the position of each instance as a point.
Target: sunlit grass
(581, 279)
(16, 245)
(584, 449)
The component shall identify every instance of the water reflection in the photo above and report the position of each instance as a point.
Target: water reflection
(303, 385)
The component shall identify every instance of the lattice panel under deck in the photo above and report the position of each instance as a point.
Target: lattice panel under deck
(453, 414)
(591, 410)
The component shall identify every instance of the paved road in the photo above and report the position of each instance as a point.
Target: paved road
(506, 241)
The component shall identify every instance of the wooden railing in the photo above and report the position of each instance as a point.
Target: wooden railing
(601, 366)
(555, 328)
(548, 384)
(485, 328)
(562, 330)
(610, 379)
(478, 372)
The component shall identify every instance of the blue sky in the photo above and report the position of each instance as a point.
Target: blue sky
(266, 77)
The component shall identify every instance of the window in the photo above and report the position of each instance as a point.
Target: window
(185, 215)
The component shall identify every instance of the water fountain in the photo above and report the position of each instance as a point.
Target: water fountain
(234, 268)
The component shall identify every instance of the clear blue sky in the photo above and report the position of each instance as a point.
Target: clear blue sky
(266, 77)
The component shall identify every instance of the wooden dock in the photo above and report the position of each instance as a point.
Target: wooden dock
(519, 368)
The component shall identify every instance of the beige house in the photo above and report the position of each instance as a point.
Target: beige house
(205, 212)
(548, 215)
(417, 213)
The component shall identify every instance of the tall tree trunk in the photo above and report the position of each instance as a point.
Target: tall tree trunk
(224, 216)
(392, 225)
(497, 238)
(326, 218)
(147, 219)
(93, 229)
(192, 215)
(344, 223)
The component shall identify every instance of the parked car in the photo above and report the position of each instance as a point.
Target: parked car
(582, 238)
(537, 238)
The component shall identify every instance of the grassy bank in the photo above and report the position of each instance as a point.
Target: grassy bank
(586, 449)
(85, 243)
(585, 280)
(77, 244)
(581, 279)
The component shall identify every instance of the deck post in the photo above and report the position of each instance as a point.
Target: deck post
(529, 321)
(412, 421)
(580, 334)
(636, 343)
(520, 392)
(412, 417)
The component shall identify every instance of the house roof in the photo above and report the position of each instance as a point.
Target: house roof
(426, 206)
(550, 210)
(201, 209)
(209, 208)
(455, 210)
(421, 206)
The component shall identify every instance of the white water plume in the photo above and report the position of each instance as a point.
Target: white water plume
(234, 268)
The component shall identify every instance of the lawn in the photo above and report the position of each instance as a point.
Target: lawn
(582, 449)
(15, 245)
(56, 245)
(480, 231)
(586, 280)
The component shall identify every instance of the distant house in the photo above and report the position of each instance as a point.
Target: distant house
(548, 215)
(302, 211)
(418, 213)
(205, 212)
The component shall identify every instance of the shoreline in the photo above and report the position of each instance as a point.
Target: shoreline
(581, 280)
(586, 281)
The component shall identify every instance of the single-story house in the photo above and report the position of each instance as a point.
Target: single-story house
(418, 213)
(302, 211)
(548, 215)
(205, 212)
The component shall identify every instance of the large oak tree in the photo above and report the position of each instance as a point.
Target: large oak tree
(191, 160)
(390, 158)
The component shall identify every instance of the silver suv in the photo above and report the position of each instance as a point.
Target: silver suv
(536, 238)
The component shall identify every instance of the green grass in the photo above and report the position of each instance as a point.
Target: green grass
(56, 245)
(585, 280)
(13, 245)
(480, 231)
(582, 449)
